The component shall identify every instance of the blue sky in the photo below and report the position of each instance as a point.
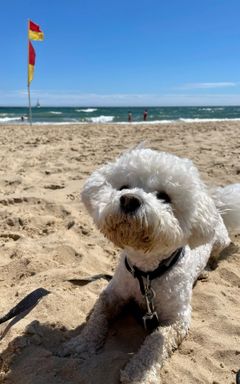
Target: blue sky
(126, 52)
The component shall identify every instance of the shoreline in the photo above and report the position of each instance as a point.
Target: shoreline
(47, 238)
(149, 122)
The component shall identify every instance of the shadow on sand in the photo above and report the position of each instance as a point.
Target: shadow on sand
(32, 358)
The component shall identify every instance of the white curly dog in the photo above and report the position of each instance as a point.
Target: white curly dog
(155, 207)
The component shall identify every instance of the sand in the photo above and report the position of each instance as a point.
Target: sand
(47, 238)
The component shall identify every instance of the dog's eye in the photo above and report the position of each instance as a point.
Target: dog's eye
(124, 187)
(163, 196)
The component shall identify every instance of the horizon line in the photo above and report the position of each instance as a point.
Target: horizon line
(122, 106)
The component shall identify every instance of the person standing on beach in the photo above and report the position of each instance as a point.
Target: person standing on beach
(129, 116)
(145, 114)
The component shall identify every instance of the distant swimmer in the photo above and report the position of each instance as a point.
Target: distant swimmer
(145, 115)
(129, 116)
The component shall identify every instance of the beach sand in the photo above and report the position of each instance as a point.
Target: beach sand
(47, 238)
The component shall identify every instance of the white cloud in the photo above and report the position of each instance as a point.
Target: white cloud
(226, 84)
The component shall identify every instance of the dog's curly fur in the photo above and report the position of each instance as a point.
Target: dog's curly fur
(150, 203)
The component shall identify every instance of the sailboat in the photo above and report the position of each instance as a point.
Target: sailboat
(38, 104)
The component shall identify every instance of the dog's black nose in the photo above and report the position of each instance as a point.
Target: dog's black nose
(129, 203)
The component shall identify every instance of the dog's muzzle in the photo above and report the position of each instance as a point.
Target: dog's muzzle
(129, 203)
(126, 222)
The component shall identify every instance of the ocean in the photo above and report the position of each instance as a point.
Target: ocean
(117, 115)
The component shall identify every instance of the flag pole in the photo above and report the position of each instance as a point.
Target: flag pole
(28, 83)
(29, 105)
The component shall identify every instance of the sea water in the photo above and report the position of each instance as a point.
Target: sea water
(98, 115)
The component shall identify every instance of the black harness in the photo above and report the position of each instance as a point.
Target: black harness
(150, 319)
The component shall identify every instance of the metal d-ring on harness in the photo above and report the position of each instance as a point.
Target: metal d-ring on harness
(150, 319)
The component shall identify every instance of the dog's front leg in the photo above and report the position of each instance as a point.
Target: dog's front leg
(94, 333)
(144, 367)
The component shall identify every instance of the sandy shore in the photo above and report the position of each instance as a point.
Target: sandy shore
(47, 238)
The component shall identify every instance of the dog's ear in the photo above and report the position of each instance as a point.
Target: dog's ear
(204, 221)
(142, 145)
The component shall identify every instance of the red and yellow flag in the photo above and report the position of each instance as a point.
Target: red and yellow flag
(31, 61)
(34, 32)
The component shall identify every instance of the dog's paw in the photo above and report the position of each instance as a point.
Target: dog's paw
(137, 373)
(76, 348)
(145, 380)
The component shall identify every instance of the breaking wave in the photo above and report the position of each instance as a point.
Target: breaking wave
(7, 119)
(87, 110)
(197, 120)
(100, 119)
